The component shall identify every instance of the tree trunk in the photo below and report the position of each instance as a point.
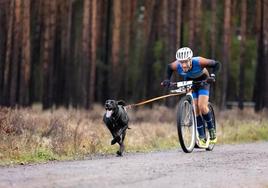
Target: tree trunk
(191, 24)
(213, 28)
(15, 55)
(213, 34)
(48, 56)
(183, 16)
(94, 40)
(197, 27)
(242, 54)
(173, 35)
(105, 55)
(150, 22)
(179, 24)
(257, 18)
(131, 82)
(3, 40)
(67, 56)
(259, 75)
(115, 76)
(164, 27)
(172, 30)
(37, 26)
(26, 56)
(265, 25)
(226, 53)
(86, 48)
(63, 45)
(8, 59)
(58, 81)
(126, 43)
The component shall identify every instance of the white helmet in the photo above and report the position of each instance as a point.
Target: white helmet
(184, 53)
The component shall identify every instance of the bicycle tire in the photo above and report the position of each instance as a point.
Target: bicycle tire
(185, 107)
(211, 146)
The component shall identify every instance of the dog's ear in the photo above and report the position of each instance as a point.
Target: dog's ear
(121, 102)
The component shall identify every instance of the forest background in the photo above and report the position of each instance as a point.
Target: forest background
(75, 53)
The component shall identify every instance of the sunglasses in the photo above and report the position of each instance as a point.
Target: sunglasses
(184, 62)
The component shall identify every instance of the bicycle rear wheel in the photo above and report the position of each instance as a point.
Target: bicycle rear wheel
(186, 124)
(211, 146)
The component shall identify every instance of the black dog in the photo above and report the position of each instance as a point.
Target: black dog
(116, 120)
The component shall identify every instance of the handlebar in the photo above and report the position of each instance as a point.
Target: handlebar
(185, 86)
(185, 83)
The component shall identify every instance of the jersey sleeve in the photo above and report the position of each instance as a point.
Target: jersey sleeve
(170, 68)
(209, 63)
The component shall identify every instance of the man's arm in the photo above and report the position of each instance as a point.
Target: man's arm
(170, 68)
(210, 63)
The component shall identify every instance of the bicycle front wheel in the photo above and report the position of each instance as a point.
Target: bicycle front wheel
(186, 124)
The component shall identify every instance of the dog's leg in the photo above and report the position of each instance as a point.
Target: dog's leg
(109, 125)
(120, 135)
(121, 144)
(121, 150)
(115, 139)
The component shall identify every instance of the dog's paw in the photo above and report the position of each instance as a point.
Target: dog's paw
(119, 154)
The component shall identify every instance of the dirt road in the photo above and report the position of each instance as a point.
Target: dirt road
(243, 165)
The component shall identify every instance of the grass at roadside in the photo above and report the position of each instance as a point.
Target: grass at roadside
(32, 135)
(236, 126)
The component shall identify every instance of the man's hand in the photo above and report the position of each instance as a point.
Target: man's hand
(165, 83)
(211, 79)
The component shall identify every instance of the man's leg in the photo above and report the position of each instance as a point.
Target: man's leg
(199, 119)
(206, 114)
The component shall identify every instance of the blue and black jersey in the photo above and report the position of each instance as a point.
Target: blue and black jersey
(198, 70)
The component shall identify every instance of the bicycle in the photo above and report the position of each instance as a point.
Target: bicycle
(186, 117)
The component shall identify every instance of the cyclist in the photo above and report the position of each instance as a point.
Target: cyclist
(195, 68)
